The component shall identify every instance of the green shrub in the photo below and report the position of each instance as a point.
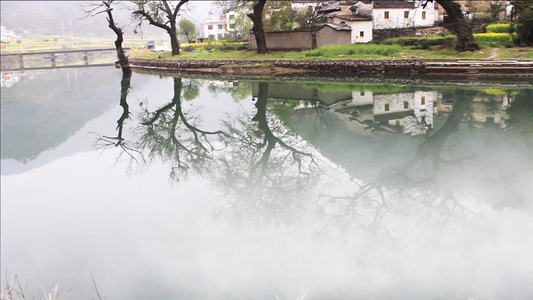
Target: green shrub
(499, 28)
(421, 42)
(494, 39)
(334, 51)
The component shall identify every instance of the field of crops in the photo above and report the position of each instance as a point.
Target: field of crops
(51, 43)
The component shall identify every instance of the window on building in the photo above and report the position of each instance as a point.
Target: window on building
(361, 34)
(423, 15)
(406, 14)
(387, 15)
(362, 93)
(423, 100)
(232, 26)
(387, 108)
(210, 27)
(231, 17)
(220, 27)
(406, 105)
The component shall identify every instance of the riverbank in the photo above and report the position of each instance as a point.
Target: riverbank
(435, 68)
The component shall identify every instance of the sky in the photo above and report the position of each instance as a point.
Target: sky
(48, 17)
(199, 10)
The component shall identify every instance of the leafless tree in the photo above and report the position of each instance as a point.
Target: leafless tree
(465, 38)
(256, 16)
(92, 9)
(162, 14)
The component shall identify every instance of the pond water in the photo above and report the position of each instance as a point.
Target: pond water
(167, 187)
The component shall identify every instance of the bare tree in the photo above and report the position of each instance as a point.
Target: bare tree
(259, 33)
(256, 16)
(105, 7)
(465, 37)
(162, 14)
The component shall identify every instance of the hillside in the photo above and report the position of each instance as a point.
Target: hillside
(28, 18)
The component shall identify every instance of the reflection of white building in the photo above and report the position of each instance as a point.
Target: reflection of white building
(412, 112)
(7, 80)
(223, 83)
(489, 109)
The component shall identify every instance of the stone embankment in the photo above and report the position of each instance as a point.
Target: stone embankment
(411, 68)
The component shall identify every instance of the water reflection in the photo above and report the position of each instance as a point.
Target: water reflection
(407, 149)
(266, 170)
(328, 190)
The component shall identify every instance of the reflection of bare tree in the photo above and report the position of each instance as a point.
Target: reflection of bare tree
(414, 187)
(264, 168)
(103, 142)
(170, 134)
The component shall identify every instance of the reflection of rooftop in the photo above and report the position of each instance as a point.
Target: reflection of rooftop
(298, 91)
(393, 116)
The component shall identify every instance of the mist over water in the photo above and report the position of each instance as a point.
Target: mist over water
(268, 190)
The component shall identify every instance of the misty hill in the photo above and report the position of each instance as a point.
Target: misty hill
(64, 17)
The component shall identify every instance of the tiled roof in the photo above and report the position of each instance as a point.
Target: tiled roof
(338, 27)
(393, 4)
(353, 18)
(330, 6)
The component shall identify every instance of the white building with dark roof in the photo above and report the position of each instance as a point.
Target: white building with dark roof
(361, 26)
(215, 26)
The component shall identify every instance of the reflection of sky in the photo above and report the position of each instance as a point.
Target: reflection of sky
(79, 214)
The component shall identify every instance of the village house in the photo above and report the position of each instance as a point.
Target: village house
(385, 18)
(214, 26)
(327, 34)
(377, 19)
(8, 35)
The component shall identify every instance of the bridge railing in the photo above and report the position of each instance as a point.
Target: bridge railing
(7, 59)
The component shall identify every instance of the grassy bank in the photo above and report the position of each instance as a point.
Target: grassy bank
(358, 51)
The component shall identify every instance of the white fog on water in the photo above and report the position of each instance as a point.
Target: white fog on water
(332, 212)
(205, 187)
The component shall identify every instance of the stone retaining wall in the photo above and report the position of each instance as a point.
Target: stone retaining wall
(399, 68)
(367, 67)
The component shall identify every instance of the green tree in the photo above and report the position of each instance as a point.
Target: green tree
(188, 29)
(277, 14)
(522, 15)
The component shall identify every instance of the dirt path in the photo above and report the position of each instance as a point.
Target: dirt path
(494, 53)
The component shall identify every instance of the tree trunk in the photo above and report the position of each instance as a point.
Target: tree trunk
(174, 41)
(124, 88)
(257, 28)
(122, 58)
(465, 38)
